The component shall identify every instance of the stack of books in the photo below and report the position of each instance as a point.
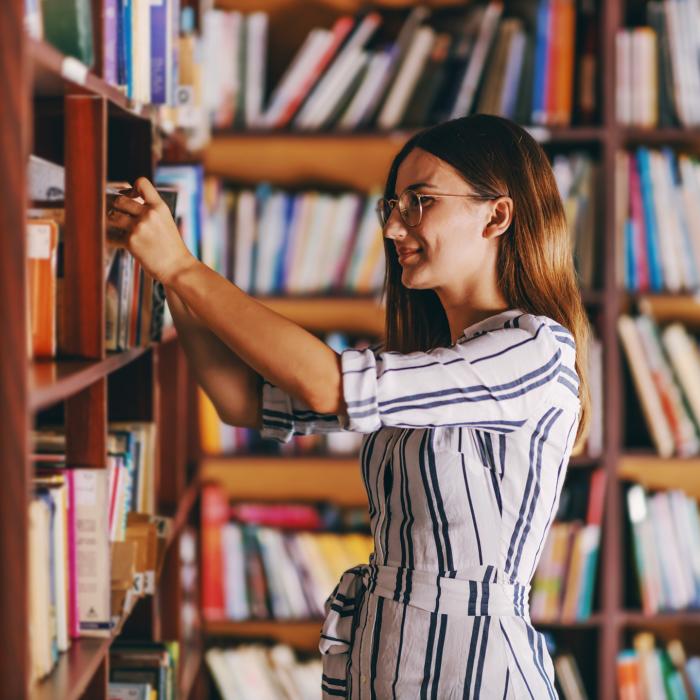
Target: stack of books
(647, 671)
(271, 561)
(658, 222)
(144, 670)
(665, 369)
(658, 76)
(256, 672)
(96, 545)
(360, 73)
(564, 582)
(666, 542)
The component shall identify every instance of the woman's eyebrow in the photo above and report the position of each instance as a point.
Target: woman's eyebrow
(418, 184)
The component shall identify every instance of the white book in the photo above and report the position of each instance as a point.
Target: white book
(299, 243)
(319, 106)
(405, 81)
(93, 551)
(689, 549)
(315, 45)
(300, 218)
(683, 355)
(356, 41)
(141, 50)
(690, 195)
(668, 239)
(323, 212)
(644, 384)
(595, 435)
(246, 235)
(225, 680)
(645, 98)
(623, 87)
(352, 207)
(334, 243)
(256, 67)
(679, 61)
(470, 82)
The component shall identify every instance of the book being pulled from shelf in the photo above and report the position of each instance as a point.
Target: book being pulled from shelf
(658, 219)
(564, 582)
(662, 673)
(256, 672)
(665, 368)
(252, 570)
(366, 72)
(93, 553)
(665, 530)
(658, 73)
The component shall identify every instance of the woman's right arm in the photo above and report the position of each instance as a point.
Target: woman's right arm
(233, 387)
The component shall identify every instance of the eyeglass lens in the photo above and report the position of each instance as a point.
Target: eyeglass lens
(409, 208)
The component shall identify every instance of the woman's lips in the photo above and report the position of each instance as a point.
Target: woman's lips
(405, 255)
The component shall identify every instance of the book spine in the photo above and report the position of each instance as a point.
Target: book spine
(110, 41)
(159, 50)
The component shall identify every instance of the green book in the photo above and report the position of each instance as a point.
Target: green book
(68, 26)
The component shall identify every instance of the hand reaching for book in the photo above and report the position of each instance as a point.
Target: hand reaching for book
(147, 230)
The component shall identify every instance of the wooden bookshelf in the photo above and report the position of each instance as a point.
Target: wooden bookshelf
(55, 109)
(297, 160)
(299, 634)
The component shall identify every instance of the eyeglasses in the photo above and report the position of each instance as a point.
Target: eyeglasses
(411, 205)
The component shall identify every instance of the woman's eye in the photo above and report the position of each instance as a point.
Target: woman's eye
(427, 199)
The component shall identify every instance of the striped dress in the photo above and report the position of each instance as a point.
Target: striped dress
(464, 456)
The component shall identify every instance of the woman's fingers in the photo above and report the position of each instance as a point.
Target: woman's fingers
(127, 205)
(119, 220)
(148, 192)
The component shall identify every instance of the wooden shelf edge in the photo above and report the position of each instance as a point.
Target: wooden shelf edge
(52, 381)
(595, 620)
(190, 670)
(74, 670)
(636, 618)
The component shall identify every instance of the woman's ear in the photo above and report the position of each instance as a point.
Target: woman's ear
(500, 218)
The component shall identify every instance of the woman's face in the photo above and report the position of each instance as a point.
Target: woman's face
(455, 242)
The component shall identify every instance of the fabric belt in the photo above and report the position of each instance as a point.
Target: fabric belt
(420, 589)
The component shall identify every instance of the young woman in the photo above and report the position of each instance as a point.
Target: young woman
(470, 409)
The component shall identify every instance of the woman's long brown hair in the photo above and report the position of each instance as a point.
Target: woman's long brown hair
(535, 263)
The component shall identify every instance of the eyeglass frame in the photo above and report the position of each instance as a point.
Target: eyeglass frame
(419, 195)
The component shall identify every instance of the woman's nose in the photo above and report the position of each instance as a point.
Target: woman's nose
(394, 227)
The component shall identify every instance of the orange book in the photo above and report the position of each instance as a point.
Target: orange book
(42, 254)
(560, 67)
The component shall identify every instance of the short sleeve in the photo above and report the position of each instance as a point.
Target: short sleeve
(284, 416)
(494, 381)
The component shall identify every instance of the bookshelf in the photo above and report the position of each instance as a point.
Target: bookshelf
(73, 117)
(290, 159)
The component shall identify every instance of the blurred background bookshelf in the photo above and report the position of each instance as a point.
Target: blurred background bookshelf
(262, 166)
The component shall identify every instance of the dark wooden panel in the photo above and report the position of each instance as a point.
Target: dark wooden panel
(86, 426)
(131, 390)
(14, 121)
(84, 285)
(97, 688)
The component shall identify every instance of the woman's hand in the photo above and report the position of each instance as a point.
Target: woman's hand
(148, 232)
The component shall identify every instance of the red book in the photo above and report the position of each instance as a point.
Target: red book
(341, 29)
(215, 511)
(287, 516)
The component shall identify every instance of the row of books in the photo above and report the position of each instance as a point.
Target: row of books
(665, 530)
(357, 74)
(665, 368)
(257, 672)
(251, 569)
(139, 41)
(564, 582)
(95, 545)
(659, 219)
(133, 301)
(658, 74)
(663, 673)
(143, 670)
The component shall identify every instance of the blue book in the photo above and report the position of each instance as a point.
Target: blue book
(262, 194)
(655, 271)
(128, 51)
(159, 51)
(291, 211)
(692, 668)
(539, 87)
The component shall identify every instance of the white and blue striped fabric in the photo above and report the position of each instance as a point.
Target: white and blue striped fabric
(463, 458)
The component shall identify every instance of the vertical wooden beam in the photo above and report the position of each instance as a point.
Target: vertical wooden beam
(172, 433)
(86, 427)
(15, 117)
(612, 560)
(84, 242)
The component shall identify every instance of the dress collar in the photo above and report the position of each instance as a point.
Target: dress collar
(491, 323)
